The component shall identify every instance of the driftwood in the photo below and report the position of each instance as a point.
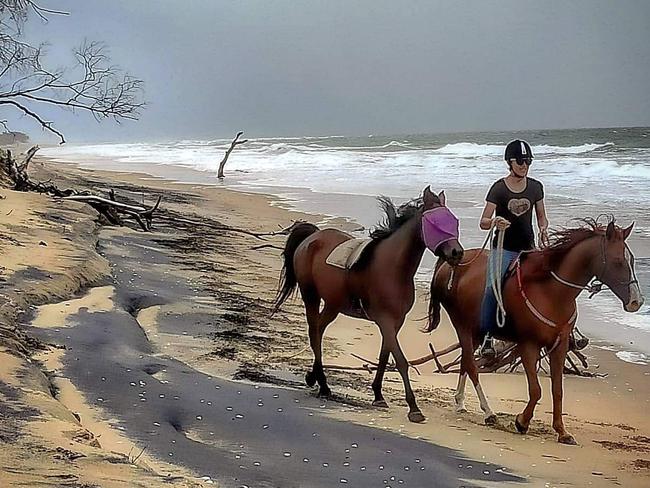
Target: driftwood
(114, 210)
(266, 246)
(235, 142)
(110, 209)
(506, 359)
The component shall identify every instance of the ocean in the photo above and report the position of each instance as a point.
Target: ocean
(585, 172)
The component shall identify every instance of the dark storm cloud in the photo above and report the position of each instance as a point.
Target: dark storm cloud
(341, 67)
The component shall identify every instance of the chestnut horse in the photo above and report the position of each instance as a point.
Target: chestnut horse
(539, 295)
(379, 287)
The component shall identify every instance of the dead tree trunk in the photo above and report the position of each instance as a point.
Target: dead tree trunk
(236, 142)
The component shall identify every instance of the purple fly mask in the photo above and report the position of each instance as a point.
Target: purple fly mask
(439, 225)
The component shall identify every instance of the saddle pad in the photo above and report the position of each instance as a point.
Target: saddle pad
(347, 253)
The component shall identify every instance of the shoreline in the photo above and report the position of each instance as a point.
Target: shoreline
(535, 455)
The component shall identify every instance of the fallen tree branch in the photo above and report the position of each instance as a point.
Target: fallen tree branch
(507, 358)
(28, 158)
(265, 246)
(110, 209)
(100, 200)
(364, 367)
(433, 355)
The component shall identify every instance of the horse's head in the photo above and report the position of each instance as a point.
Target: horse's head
(617, 267)
(440, 228)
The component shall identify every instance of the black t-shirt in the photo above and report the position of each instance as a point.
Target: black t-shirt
(517, 208)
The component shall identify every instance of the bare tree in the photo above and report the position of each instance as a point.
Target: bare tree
(91, 85)
(235, 142)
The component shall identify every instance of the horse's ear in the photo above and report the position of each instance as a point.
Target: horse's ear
(442, 198)
(611, 231)
(628, 231)
(428, 197)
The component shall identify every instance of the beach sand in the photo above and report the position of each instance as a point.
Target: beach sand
(49, 255)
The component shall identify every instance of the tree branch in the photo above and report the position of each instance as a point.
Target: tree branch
(34, 115)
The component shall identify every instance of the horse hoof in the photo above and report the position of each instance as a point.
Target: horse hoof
(380, 404)
(567, 439)
(461, 409)
(310, 378)
(491, 420)
(520, 428)
(324, 393)
(416, 417)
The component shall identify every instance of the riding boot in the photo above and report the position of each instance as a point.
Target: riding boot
(487, 349)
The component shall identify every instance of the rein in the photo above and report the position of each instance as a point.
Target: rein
(467, 263)
(532, 308)
(596, 286)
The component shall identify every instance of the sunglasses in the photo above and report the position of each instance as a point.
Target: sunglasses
(520, 162)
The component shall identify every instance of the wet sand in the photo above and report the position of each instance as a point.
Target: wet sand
(199, 310)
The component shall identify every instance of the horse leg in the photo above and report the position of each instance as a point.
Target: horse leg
(459, 396)
(379, 376)
(390, 336)
(557, 357)
(312, 305)
(470, 368)
(321, 321)
(529, 357)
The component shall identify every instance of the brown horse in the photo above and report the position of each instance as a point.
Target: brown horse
(379, 287)
(539, 295)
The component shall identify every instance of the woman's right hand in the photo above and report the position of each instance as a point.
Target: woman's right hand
(500, 223)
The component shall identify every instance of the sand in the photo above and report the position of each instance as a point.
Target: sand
(237, 283)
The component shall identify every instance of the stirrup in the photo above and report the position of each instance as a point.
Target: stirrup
(487, 350)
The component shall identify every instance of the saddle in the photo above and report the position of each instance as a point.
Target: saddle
(346, 254)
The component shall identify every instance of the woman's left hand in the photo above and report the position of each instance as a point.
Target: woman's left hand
(543, 237)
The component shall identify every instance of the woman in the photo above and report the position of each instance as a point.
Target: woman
(512, 198)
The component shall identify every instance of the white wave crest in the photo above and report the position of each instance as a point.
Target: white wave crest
(471, 149)
(583, 148)
(633, 357)
(396, 144)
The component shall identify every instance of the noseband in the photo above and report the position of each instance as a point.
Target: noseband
(596, 285)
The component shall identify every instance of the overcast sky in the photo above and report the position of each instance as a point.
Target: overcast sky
(279, 68)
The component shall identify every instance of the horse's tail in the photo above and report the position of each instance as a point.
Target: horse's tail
(288, 280)
(435, 296)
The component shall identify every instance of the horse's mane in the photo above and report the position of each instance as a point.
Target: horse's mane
(561, 241)
(395, 218)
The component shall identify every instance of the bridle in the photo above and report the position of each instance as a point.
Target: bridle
(595, 285)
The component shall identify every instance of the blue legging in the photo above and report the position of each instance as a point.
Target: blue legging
(489, 304)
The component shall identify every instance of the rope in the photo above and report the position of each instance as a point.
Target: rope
(478, 254)
(450, 282)
(496, 279)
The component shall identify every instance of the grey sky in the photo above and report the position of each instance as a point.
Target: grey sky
(363, 67)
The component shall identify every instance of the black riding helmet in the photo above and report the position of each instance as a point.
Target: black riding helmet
(518, 150)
